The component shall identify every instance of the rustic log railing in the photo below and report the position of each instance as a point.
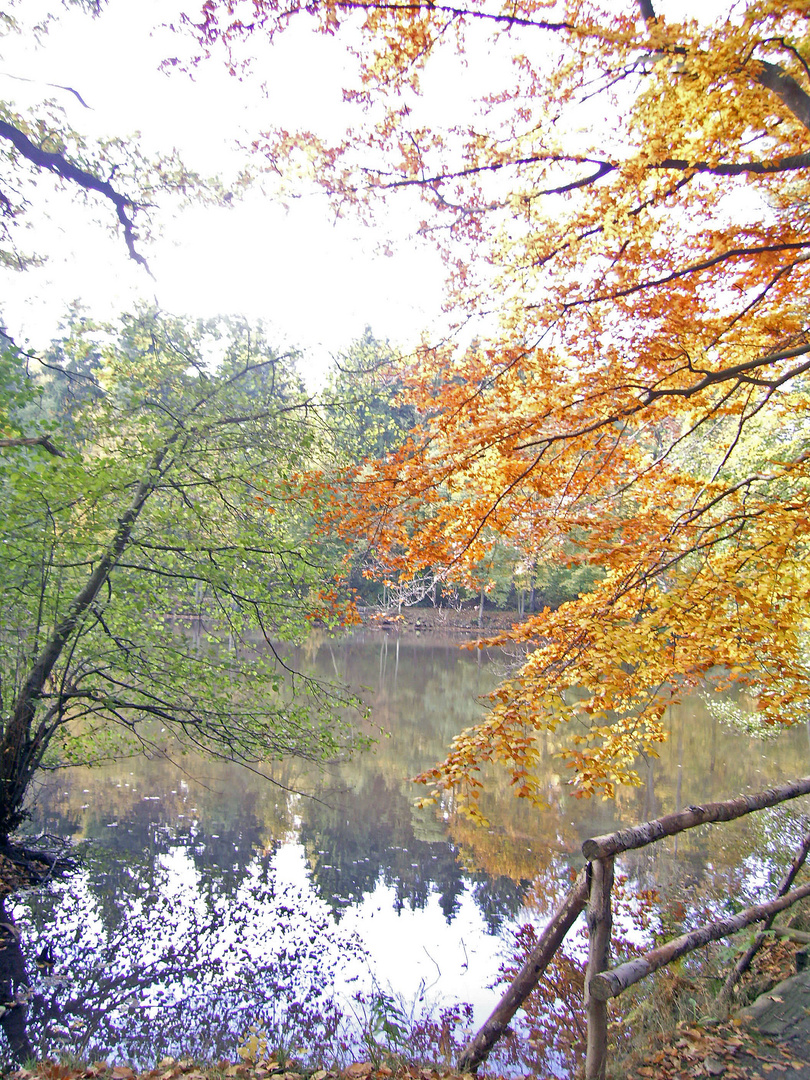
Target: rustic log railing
(591, 892)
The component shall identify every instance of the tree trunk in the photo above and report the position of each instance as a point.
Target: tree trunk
(24, 738)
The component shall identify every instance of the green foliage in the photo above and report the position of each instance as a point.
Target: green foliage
(368, 415)
(69, 374)
(365, 405)
(386, 1033)
(554, 583)
(147, 573)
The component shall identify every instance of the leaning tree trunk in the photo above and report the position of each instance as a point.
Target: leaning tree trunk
(25, 734)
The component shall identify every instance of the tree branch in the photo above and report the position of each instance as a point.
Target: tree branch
(20, 755)
(772, 77)
(738, 168)
(694, 268)
(42, 440)
(61, 166)
(601, 169)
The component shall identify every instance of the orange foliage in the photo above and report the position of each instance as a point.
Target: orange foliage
(625, 219)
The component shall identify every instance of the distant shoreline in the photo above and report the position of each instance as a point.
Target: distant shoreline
(439, 620)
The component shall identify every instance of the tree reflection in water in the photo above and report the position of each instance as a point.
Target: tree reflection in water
(358, 837)
(174, 963)
(14, 986)
(212, 900)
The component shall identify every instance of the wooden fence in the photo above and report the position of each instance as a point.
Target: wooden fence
(591, 893)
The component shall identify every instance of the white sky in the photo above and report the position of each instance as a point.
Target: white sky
(318, 282)
(413, 952)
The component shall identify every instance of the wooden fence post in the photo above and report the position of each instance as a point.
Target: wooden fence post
(600, 922)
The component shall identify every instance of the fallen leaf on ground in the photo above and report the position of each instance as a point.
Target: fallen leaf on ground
(359, 1069)
(714, 1066)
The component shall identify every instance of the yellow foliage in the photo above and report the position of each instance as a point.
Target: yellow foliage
(625, 223)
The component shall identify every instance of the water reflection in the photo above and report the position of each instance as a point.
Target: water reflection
(211, 899)
(177, 959)
(14, 986)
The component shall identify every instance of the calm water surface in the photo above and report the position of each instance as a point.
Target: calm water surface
(213, 904)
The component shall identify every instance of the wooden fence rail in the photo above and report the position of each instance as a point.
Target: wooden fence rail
(742, 965)
(592, 893)
(526, 979)
(608, 984)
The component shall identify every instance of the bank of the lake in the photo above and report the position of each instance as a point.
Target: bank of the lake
(743, 1047)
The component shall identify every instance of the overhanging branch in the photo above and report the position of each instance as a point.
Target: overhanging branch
(61, 166)
(772, 77)
(42, 440)
(738, 168)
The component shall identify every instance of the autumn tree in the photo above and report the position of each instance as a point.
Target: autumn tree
(147, 580)
(623, 203)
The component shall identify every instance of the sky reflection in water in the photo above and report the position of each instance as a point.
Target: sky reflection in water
(213, 903)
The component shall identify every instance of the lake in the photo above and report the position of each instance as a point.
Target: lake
(215, 906)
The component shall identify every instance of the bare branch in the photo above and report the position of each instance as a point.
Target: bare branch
(55, 86)
(61, 166)
(42, 440)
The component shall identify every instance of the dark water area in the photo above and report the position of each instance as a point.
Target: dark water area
(214, 905)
